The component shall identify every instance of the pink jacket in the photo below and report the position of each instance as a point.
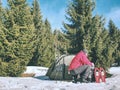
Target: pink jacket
(79, 60)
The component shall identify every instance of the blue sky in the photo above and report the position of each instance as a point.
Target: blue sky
(54, 11)
(110, 9)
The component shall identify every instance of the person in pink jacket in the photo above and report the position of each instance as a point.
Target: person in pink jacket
(80, 65)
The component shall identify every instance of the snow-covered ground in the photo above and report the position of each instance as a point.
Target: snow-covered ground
(40, 82)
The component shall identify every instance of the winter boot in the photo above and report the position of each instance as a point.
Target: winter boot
(85, 80)
(89, 79)
(74, 79)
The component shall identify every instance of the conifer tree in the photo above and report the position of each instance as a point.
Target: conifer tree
(98, 38)
(43, 54)
(18, 40)
(79, 15)
(3, 65)
(48, 45)
(114, 41)
(56, 43)
(117, 51)
(60, 42)
(38, 23)
(45, 47)
(99, 54)
(105, 48)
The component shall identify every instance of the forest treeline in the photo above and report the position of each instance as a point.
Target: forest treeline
(27, 39)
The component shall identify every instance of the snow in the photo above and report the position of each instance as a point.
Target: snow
(115, 70)
(41, 82)
(39, 71)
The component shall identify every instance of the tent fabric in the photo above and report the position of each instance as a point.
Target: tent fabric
(59, 68)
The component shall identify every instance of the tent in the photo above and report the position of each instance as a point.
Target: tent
(59, 68)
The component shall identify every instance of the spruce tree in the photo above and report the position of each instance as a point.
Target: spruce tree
(79, 15)
(48, 45)
(3, 65)
(117, 51)
(18, 40)
(61, 43)
(56, 43)
(114, 41)
(98, 37)
(38, 23)
(104, 51)
(100, 53)
(43, 54)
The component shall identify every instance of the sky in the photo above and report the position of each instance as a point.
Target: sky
(110, 9)
(54, 11)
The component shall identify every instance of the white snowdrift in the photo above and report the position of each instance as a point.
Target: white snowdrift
(40, 82)
(39, 71)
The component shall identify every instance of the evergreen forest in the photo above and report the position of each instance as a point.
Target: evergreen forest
(28, 40)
